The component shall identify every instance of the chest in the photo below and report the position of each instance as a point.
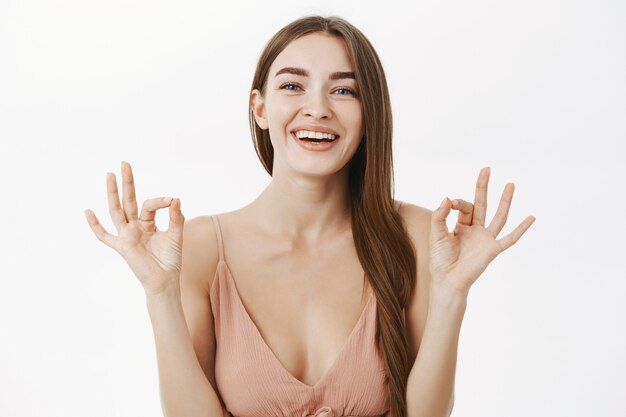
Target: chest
(305, 303)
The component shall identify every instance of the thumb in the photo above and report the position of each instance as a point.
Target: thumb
(438, 226)
(177, 220)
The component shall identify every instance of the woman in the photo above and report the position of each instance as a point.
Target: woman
(313, 299)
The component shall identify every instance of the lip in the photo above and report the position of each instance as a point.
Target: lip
(322, 147)
(314, 128)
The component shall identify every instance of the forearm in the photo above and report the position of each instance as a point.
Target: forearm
(185, 390)
(430, 386)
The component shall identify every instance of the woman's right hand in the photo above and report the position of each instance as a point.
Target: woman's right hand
(154, 256)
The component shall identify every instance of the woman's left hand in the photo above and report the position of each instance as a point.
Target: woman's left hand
(457, 259)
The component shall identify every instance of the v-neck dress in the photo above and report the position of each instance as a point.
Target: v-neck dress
(252, 382)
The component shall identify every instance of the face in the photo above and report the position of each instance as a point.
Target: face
(311, 87)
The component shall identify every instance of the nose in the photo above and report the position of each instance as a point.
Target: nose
(316, 105)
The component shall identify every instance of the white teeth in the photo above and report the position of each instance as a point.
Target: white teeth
(314, 135)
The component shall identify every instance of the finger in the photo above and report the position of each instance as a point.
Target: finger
(102, 235)
(128, 187)
(510, 239)
(149, 209)
(177, 220)
(115, 209)
(480, 198)
(438, 226)
(502, 214)
(466, 211)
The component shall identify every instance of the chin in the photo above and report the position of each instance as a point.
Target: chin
(316, 169)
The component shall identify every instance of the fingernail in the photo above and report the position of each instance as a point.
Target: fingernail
(168, 199)
(443, 202)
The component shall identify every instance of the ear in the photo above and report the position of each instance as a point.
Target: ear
(258, 108)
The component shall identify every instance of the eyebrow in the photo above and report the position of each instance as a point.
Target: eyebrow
(304, 73)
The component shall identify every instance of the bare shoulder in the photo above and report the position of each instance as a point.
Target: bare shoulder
(199, 263)
(417, 222)
(200, 251)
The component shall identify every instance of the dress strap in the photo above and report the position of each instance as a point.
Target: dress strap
(218, 234)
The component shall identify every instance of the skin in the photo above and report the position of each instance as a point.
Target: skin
(288, 248)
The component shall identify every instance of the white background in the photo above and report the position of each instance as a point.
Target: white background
(535, 89)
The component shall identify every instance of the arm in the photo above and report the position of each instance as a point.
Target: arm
(455, 261)
(432, 326)
(176, 292)
(185, 390)
(183, 330)
(430, 387)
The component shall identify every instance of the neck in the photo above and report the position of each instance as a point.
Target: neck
(306, 208)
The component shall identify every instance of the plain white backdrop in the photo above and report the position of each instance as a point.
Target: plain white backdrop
(535, 89)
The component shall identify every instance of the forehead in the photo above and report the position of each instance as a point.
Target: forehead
(317, 52)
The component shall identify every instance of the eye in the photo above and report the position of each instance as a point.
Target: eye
(284, 86)
(349, 91)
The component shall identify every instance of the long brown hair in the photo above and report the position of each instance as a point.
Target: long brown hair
(382, 243)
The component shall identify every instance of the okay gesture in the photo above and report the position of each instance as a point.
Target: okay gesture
(457, 259)
(155, 256)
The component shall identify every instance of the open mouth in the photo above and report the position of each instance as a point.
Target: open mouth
(308, 138)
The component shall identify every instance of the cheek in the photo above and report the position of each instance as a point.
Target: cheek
(282, 107)
(279, 114)
(355, 119)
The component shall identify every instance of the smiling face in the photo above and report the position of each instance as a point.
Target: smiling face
(311, 86)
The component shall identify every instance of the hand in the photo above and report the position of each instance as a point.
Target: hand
(154, 256)
(457, 259)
